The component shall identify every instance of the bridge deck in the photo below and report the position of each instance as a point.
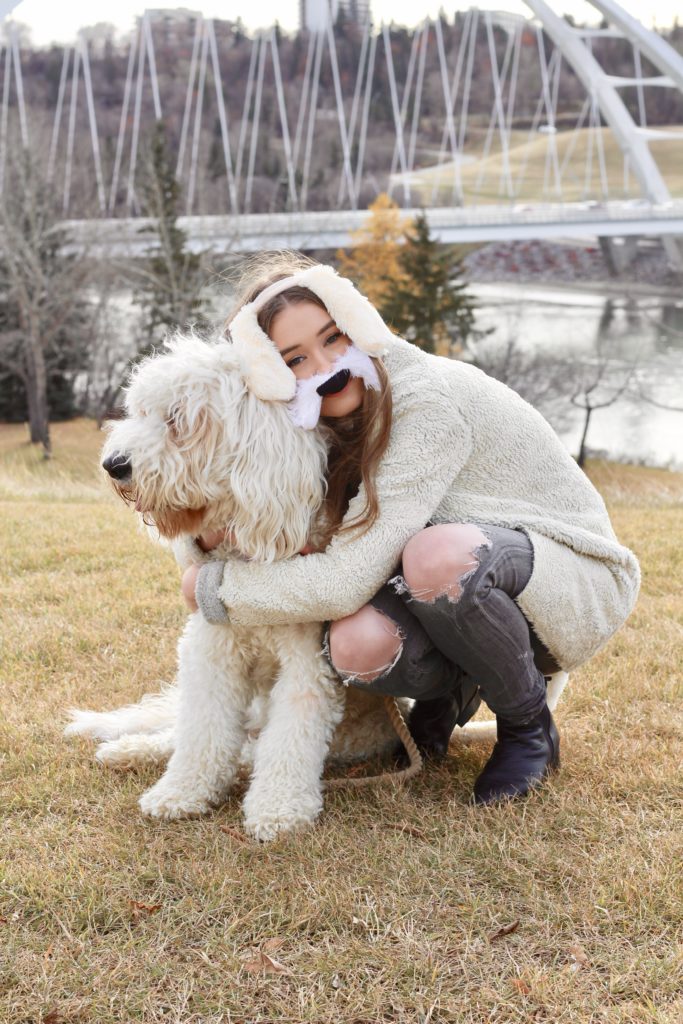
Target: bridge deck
(324, 229)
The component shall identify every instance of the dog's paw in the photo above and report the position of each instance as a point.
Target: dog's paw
(172, 798)
(115, 754)
(265, 829)
(267, 816)
(138, 749)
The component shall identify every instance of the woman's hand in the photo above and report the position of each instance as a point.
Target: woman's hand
(212, 539)
(188, 586)
(207, 542)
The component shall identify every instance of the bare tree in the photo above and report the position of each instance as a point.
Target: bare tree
(589, 397)
(42, 285)
(552, 384)
(601, 380)
(113, 340)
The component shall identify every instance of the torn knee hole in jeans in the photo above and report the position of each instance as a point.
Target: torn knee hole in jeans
(373, 674)
(452, 591)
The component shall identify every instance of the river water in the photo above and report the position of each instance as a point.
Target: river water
(616, 338)
(640, 334)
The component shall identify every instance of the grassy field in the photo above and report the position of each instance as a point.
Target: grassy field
(401, 906)
(483, 180)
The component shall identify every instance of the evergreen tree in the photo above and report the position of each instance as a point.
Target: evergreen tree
(428, 303)
(172, 277)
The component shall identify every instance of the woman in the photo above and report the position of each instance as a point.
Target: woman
(464, 552)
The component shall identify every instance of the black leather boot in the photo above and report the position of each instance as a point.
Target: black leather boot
(524, 755)
(431, 722)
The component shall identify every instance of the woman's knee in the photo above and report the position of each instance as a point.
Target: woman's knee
(364, 645)
(437, 560)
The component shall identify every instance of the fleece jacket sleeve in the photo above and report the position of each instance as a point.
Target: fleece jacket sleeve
(429, 445)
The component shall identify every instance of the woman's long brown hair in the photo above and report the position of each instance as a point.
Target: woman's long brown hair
(356, 442)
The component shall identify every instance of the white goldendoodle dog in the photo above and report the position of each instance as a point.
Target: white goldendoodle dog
(198, 452)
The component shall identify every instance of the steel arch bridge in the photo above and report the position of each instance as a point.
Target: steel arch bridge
(482, 172)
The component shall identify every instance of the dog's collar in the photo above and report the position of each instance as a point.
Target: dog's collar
(264, 371)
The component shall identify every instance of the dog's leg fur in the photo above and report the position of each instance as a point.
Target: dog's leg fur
(290, 752)
(214, 694)
(132, 741)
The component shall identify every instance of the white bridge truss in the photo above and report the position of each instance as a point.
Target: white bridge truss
(458, 176)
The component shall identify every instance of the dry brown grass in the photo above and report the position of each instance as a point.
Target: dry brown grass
(483, 182)
(387, 911)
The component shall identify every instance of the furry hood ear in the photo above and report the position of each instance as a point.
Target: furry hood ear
(263, 369)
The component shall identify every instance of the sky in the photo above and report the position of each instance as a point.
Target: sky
(50, 21)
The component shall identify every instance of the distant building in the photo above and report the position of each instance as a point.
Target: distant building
(315, 14)
(171, 24)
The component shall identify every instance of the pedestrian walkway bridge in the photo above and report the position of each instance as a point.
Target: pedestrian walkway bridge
(123, 237)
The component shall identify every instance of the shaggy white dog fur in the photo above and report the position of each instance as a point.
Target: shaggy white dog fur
(199, 452)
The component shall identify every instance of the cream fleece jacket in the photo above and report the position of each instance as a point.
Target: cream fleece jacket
(463, 448)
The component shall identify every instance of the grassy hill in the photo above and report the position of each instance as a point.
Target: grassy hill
(395, 907)
(483, 180)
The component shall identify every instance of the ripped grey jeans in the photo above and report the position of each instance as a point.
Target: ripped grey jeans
(481, 636)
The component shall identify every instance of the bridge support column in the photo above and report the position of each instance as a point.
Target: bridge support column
(674, 250)
(618, 253)
(673, 247)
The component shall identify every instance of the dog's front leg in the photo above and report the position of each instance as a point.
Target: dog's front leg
(306, 704)
(213, 697)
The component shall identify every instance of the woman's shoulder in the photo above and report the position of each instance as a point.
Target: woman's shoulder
(413, 371)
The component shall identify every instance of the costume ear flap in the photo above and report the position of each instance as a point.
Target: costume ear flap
(352, 311)
(263, 369)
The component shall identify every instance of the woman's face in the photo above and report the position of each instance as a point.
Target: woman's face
(309, 342)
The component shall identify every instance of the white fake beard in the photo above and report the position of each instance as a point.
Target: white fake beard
(304, 408)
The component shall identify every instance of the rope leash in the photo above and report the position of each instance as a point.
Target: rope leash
(403, 733)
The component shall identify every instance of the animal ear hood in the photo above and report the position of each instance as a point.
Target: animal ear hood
(264, 371)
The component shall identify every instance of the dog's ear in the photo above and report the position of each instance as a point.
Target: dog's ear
(277, 481)
(188, 422)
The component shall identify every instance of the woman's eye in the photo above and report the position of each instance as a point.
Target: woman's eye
(331, 340)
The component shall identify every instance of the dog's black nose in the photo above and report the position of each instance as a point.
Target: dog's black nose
(335, 383)
(118, 466)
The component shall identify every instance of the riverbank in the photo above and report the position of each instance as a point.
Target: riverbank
(569, 264)
(619, 288)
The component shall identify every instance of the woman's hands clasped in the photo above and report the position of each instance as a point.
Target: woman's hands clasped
(207, 542)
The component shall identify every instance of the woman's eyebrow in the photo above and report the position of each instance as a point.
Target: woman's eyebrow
(330, 323)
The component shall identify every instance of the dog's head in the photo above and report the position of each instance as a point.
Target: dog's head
(197, 451)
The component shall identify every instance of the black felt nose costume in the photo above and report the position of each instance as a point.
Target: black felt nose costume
(334, 384)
